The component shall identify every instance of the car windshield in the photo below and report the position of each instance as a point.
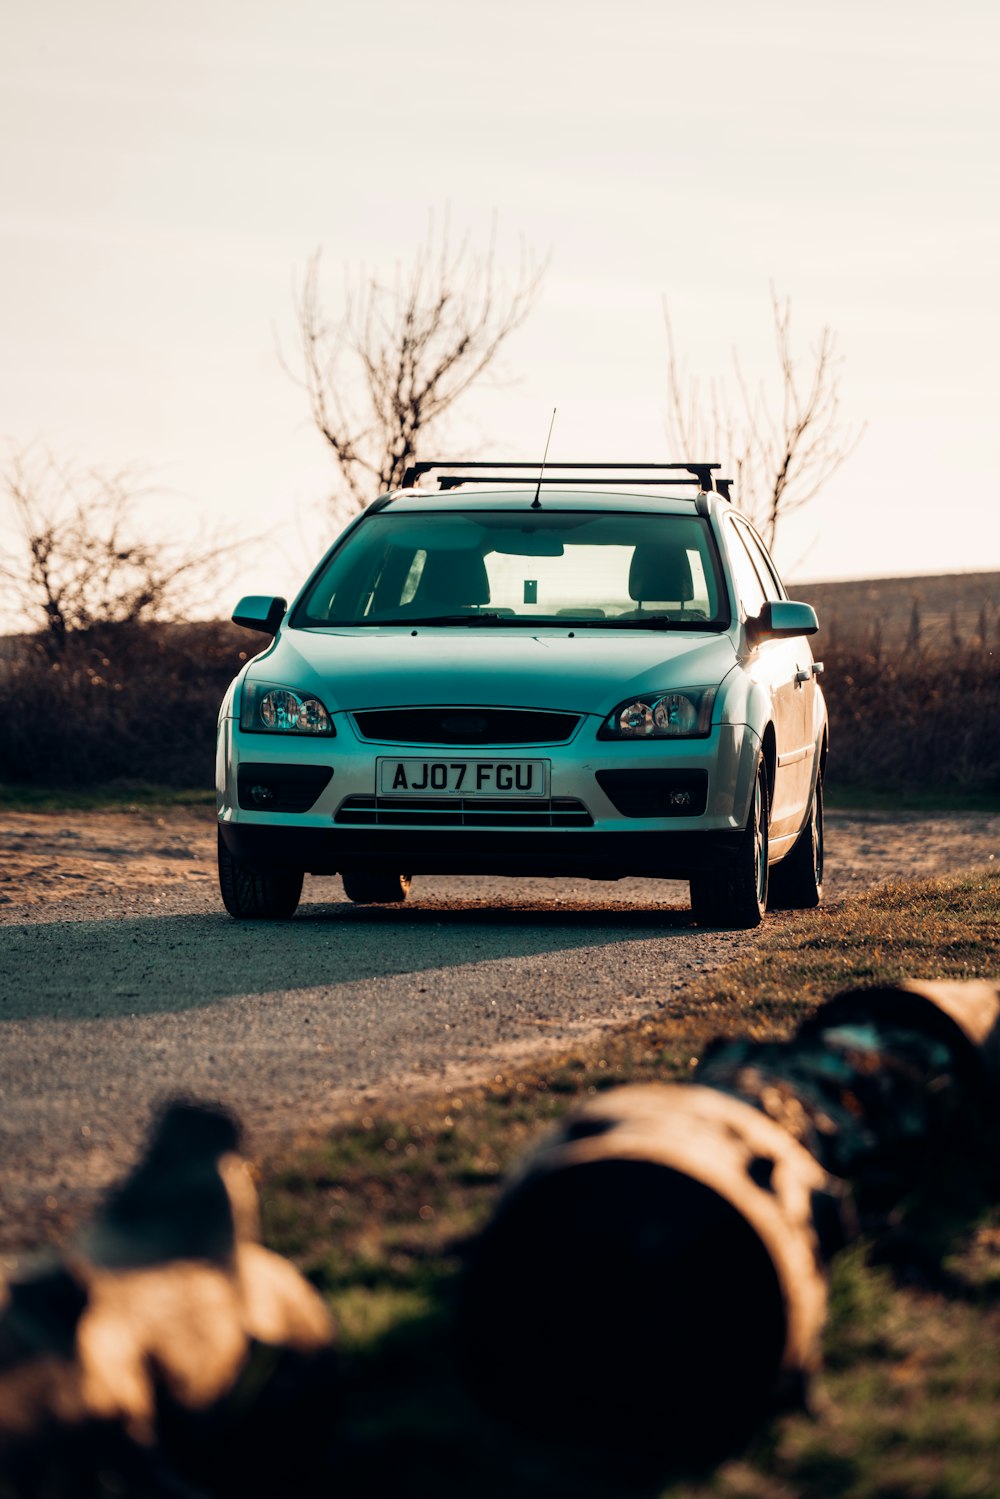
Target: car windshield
(446, 567)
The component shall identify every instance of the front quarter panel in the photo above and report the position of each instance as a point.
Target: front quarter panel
(229, 711)
(744, 710)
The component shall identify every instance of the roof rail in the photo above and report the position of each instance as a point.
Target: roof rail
(702, 474)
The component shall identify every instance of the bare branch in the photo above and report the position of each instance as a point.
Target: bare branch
(381, 378)
(780, 451)
(77, 560)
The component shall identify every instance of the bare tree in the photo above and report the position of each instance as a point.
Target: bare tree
(781, 449)
(380, 377)
(77, 560)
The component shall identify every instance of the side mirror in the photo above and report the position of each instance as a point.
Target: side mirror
(781, 619)
(257, 612)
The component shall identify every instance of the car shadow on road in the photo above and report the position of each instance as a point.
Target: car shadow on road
(108, 969)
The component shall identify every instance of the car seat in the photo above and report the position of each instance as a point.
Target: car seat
(451, 581)
(660, 575)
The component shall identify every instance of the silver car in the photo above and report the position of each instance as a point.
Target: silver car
(593, 675)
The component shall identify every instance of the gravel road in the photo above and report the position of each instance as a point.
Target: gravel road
(124, 982)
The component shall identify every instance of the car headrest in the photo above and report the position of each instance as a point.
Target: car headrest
(452, 579)
(660, 573)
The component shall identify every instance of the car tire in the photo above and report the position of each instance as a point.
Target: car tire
(797, 882)
(375, 889)
(735, 895)
(257, 892)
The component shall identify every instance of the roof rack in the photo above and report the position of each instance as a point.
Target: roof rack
(702, 474)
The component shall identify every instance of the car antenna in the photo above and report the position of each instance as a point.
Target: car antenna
(536, 503)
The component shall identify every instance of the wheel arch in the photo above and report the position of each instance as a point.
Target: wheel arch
(769, 750)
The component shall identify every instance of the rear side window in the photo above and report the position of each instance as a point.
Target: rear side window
(762, 562)
(748, 583)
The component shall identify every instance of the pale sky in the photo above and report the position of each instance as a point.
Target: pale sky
(165, 172)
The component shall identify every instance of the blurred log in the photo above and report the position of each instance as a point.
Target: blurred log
(965, 1016)
(653, 1274)
(872, 1078)
(168, 1345)
(654, 1277)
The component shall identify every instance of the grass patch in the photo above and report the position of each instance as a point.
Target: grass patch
(116, 796)
(864, 798)
(376, 1214)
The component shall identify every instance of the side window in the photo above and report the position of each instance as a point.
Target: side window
(699, 600)
(413, 577)
(765, 567)
(748, 584)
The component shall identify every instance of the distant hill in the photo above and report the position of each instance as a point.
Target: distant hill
(940, 611)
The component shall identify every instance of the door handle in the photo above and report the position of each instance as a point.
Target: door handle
(803, 676)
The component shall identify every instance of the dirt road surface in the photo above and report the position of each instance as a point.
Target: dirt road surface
(124, 982)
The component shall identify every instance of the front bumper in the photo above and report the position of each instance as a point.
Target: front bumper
(325, 837)
(596, 855)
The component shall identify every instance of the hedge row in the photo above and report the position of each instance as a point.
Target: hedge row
(134, 703)
(140, 703)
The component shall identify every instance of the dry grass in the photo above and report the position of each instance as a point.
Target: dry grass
(908, 1403)
(936, 615)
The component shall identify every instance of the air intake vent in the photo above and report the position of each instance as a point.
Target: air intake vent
(459, 812)
(466, 726)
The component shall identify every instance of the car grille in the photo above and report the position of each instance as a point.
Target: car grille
(280, 788)
(464, 812)
(466, 726)
(655, 793)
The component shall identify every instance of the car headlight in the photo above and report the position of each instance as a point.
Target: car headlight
(279, 710)
(662, 715)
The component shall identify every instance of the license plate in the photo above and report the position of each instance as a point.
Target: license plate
(463, 778)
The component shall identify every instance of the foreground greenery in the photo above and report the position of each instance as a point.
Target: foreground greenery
(845, 797)
(909, 1399)
(115, 796)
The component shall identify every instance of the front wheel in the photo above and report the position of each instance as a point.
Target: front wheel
(257, 892)
(375, 889)
(736, 895)
(797, 882)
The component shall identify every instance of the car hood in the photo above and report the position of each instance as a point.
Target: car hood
(589, 672)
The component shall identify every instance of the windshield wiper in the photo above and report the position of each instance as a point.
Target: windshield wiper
(484, 616)
(655, 622)
(537, 621)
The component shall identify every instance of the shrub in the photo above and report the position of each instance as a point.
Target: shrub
(137, 702)
(914, 720)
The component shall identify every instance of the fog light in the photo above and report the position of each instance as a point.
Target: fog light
(262, 796)
(680, 798)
